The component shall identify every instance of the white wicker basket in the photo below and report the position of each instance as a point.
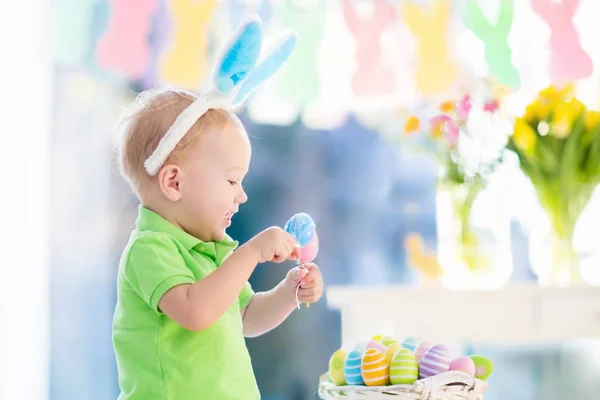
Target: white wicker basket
(451, 385)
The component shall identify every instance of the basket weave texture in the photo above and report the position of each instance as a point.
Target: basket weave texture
(451, 385)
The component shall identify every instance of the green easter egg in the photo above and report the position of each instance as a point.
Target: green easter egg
(336, 367)
(387, 340)
(404, 369)
(483, 367)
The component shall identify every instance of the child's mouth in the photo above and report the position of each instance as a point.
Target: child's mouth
(228, 217)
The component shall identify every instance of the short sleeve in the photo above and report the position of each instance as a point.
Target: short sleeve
(154, 266)
(245, 296)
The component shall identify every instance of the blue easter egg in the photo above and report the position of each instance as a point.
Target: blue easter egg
(410, 343)
(301, 227)
(352, 368)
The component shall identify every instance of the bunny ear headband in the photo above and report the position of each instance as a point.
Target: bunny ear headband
(235, 77)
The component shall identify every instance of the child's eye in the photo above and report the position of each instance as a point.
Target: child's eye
(233, 183)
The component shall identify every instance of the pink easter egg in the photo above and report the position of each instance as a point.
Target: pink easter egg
(310, 251)
(422, 349)
(435, 361)
(464, 364)
(374, 344)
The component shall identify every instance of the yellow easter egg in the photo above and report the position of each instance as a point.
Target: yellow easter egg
(373, 368)
(390, 351)
(404, 369)
(377, 338)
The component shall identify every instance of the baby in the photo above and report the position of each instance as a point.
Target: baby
(184, 302)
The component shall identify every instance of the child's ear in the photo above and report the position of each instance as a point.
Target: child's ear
(169, 181)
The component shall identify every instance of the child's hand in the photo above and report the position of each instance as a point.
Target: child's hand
(274, 244)
(311, 283)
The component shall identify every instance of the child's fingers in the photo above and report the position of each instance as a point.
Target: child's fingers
(311, 292)
(313, 278)
(310, 298)
(298, 273)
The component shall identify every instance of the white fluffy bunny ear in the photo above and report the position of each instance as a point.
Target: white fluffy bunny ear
(239, 56)
(274, 58)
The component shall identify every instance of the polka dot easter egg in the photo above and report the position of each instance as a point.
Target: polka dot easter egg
(464, 364)
(404, 369)
(422, 349)
(410, 343)
(483, 367)
(435, 361)
(302, 227)
(352, 368)
(373, 368)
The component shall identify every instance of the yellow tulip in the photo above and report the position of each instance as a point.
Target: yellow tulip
(592, 120)
(524, 136)
(563, 116)
(537, 111)
(551, 95)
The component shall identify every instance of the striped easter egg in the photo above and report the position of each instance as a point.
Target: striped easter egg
(387, 340)
(390, 351)
(352, 368)
(404, 369)
(374, 370)
(410, 343)
(374, 344)
(422, 349)
(436, 360)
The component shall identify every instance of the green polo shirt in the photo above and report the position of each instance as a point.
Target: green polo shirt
(157, 359)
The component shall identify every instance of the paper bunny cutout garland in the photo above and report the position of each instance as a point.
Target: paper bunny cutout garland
(235, 77)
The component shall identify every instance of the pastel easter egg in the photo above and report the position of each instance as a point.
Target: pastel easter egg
(390, 351)
(360, 346)
(435, 361)
(483, 367)
(352, 373)
(464, 364)
(410, 343)
(373, 368)
(377, 337)
(301, 227)
(404, 369)
(310, 251)
(374, 344)
(422, 349)
(387, 340)
(336, 367)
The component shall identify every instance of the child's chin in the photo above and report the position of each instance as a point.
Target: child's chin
(219, 235)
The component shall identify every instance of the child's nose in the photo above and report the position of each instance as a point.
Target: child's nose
(242, 197)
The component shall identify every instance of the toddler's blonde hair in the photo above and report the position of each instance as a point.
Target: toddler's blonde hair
(144, 125)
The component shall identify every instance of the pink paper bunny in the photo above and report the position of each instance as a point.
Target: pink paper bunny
(568, 60)
(124, 47)
(371, 76)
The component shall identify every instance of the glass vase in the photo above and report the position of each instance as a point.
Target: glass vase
(473, 235)
(563, 249)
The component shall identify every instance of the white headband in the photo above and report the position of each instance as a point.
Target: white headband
(235, 78)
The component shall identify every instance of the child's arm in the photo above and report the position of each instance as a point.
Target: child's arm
(267, 310)
(199, 305)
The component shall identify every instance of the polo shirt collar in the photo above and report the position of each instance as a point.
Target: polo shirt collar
(148, 220)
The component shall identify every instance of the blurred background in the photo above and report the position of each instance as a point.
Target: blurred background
(394, 125)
